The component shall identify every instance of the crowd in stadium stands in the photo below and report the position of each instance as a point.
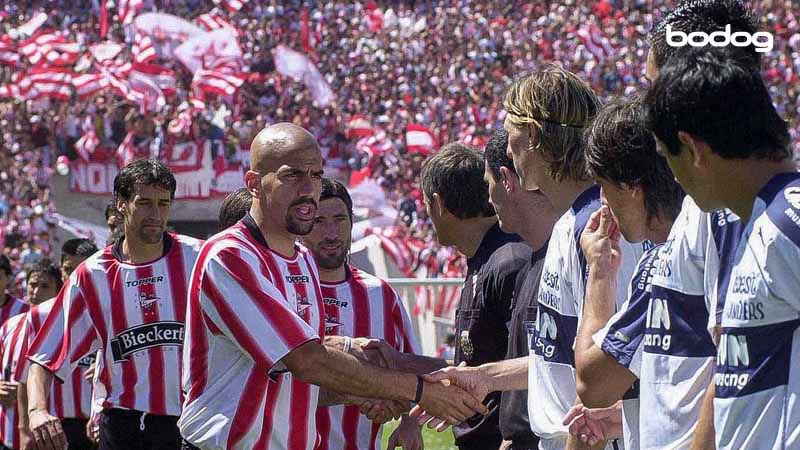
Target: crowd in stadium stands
(442, 64)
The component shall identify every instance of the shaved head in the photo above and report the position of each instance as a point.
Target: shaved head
(276, 142)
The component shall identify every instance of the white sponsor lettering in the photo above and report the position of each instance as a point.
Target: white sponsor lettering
(733, 351)
(762, 41)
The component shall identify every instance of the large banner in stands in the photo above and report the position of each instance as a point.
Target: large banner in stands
(204, 183)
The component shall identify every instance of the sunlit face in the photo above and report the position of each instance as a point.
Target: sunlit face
(289, 196)
(627, 208)
(41, 287)
(531, 168)
(329, 241)
(146, 214)
(651, 70)
(68, 265)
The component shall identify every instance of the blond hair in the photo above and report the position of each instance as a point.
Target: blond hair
(558, 105)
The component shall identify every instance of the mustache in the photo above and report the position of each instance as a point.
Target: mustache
(331, 242)
(302, 201)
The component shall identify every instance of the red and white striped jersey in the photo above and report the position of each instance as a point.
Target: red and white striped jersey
(135, 313)
(361, 306)
(11, 308)
(248, 308)
(70, 399)
(10, 342)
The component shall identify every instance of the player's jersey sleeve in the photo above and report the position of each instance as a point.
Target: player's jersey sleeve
(68, 333)
(622, 336)
(244, 305)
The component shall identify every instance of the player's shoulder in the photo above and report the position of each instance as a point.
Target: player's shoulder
(780, 219)
(510, 257)
(187, 242)
(13, 322)
(369, 281)
(647, 264)
(583, 208)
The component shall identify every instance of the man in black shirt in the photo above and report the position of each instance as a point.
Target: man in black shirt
(530, 215)
(457, 201)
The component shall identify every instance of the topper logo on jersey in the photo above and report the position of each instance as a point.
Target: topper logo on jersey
(335, 302)
(732, 352)
(548, 329)
(148, 335)
(297, 279)
(658, 318)
(761, 40)
(144, 281)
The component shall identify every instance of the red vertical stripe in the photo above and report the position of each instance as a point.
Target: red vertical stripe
(150, 314)
(77, 392)
(299, 414)
(323, 428)
(247, 410)
(361, 328)
(95, 312)
(273, 391)
(317, 293)
(119, 322)
(57, 398)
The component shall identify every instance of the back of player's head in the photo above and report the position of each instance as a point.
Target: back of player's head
(334, 189)
(712, 94)
(495, 154)
(455, 173)
(45, 267)
(706, 16)
(5, 266)
(82, 248)
(234, 207)
(620, 149)
(147, 172)
(557, 104)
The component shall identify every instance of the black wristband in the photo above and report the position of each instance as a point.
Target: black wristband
(420, 385)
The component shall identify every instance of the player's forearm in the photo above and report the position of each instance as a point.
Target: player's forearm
(704, 433)
(598, 307)
(508, 375)
(328, 397)
(346, 374)
(22, 406)
(39, 381)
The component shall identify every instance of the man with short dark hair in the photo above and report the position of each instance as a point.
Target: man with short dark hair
(130, 302)
(113, 217)
(234, 207)
(356, 304)
(740, 158)
(70, 400)
(43, 282)
(456, 197)
(9, 306)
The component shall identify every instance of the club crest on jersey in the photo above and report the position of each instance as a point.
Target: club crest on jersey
(466, 345)
(147, 301)
(148, 335)
(302, 305)
(331, 324)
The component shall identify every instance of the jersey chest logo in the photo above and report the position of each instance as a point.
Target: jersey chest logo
(142, 337)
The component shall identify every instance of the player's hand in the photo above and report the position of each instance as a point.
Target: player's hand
(407, 436)
(600, 242)
(26, 439)
(448, 402)
(93, 428)
(593, 425)
(471, 379)
(88, 375)
(46, 430)
(382, 411)
(380, 350)
(8, 394)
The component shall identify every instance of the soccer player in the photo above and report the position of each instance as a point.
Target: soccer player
(739, 157)
(70, 400)
(9, 306)
(234, 207)
(129, 301)
(43, 282)
(528, 214)
(547, 112)
(360, 305)
(640, 202)
(255, 320)
(456, 197)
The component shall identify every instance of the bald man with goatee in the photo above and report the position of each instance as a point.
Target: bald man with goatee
(254, 358)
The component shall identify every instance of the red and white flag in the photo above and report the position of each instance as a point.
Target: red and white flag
(297, 66)
(595, 41)
(204, 50)
(182, 124)
(89, 84)
(231, 5)
(8, 54)
(359, 126)
(86, 145)
(50, 82)
(104, 51)
(213, 21)
(216, 82)
(29, 27)
(50, 48)
(185, 156)
(142, 49)
(149, 96)
(162, 76)
(128, 9)
(126, 152)
(420, 139)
